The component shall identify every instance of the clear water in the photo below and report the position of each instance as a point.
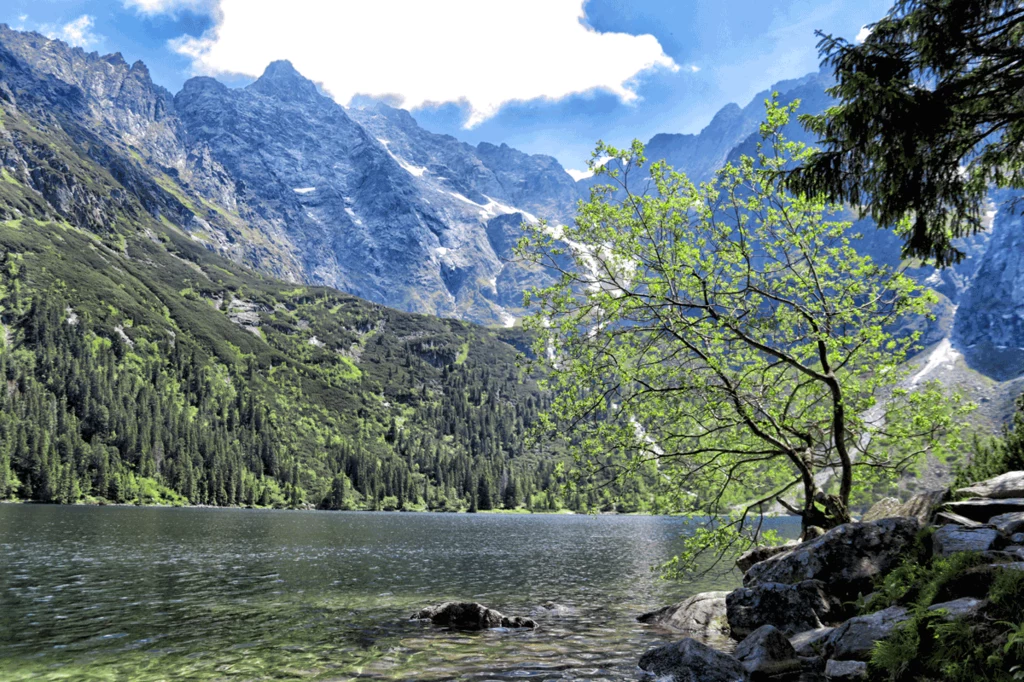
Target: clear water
(90, 593)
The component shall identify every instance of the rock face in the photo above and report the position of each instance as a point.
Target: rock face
(790, 608)
(1010, 484)
(470, 616)
(702, 615)
(691, 661)
(767, 653)
(951, 538)
(846, 559)
(854, 639)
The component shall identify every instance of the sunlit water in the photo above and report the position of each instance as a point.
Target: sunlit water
(92, 593)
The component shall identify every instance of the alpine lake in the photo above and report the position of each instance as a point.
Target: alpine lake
(147, 594)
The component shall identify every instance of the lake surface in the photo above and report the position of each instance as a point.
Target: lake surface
(121, 593)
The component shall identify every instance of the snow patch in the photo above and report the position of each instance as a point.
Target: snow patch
(304, 190)
(353, 216)
(944, 355)
(508, 319)
(416, 171)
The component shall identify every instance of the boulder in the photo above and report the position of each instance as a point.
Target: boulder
(846, 671)
(759, 554)
(810, 642)
(847, 558)
(951, 539)
(550, 608)
(854, 639)
(883, 509)
(983, 510)
(691, 661)
(959, 608)
(470, 616)
(790, 608)
(1017, 538)
(702, 615)
(924, 505)
(767, 653)
(1010, 484)
(946, 517)
(1008, 524)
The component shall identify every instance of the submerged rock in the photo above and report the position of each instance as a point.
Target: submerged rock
(846, 559)
(790, 608)
(703, 615)
(691, 661)
(950, 539)
(470, 616)
(1010, 484)
(767, 653)
(810, 642)
(550, 608)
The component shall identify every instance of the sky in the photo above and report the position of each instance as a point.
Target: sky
(544, 76)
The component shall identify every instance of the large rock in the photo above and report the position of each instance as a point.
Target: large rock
(923, 505)
(810, 642)
(470, 616)
(1008, 524)
(847, 558)
(691, 661)
(885, 508)
(964, 607)
(951, 539)
(767, 653)
(1010, 484)
(846, 671)
(984, 509)
(759, 554)
(790, 608)
(854, 639)
(702, 615)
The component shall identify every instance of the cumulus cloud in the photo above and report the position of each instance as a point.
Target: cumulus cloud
(480, 54)
(77, 32)
(863, 34)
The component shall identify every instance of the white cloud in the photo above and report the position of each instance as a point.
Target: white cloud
(694, 68)
(865, 31)
(578, 175)
(481, 54)
(168, 6)
(77, 32)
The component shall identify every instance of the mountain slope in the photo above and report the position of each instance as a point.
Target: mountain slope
(141, 365)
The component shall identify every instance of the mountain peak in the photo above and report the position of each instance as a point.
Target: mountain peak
(281, 80)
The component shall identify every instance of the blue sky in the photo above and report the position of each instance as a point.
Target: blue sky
(532, 73)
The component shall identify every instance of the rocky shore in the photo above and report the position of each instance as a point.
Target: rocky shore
(816, 610)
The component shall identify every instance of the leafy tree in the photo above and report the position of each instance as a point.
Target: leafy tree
(730, 340)
(930, 117)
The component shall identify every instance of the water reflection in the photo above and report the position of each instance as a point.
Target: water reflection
(147, 594)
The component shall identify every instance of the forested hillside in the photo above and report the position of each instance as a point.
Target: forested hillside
(140, 366)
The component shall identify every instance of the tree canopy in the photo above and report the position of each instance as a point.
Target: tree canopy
(930, 117)
(730, 337)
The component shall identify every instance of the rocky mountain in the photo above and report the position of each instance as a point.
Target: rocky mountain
(280, 178)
